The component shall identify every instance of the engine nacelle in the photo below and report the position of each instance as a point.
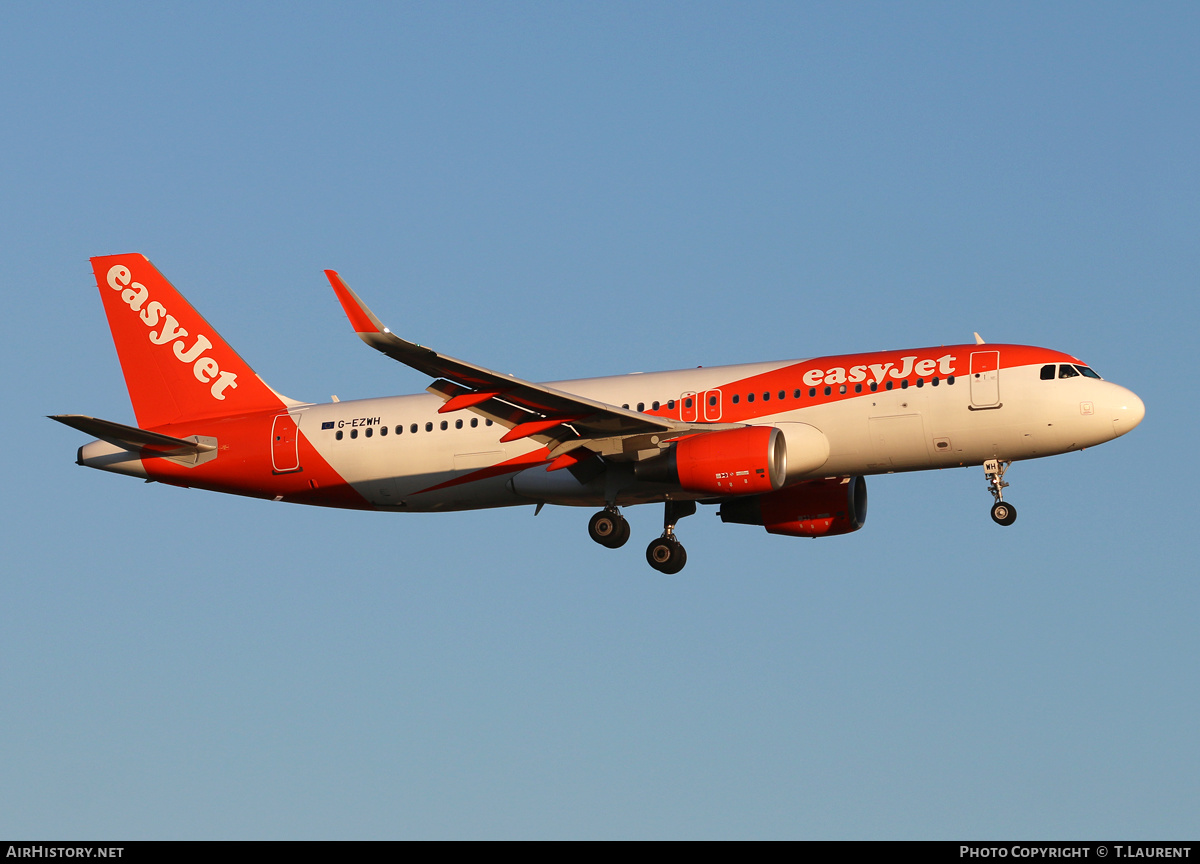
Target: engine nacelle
(807, 450)
(745, 461)
(816, 508)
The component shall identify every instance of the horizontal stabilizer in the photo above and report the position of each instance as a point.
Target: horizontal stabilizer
(132, 438)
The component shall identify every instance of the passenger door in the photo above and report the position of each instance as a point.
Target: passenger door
(985, 379)
(285, 443)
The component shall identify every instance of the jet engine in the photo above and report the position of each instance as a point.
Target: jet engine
(807, 450)
(745, 461)
(816, 508)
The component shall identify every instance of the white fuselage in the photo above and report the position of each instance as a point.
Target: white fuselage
(450, 461)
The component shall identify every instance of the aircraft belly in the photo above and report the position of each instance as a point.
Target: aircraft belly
(475, 495)
(559, 487)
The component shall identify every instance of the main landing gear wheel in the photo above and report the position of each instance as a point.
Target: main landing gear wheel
(609, 528)
(1003, 513)
(666, 555)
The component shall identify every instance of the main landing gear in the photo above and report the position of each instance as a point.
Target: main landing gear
(666, 554)
(609, 528)
(1003, 513)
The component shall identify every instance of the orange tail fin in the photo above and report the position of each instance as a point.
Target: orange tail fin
(176, 366)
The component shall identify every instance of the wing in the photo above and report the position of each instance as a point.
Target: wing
(563, 421)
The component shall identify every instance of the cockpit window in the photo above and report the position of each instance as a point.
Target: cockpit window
(1087, 372)
(1048, 372)
(1067, 371)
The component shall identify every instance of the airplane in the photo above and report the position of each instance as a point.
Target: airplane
(784, 445)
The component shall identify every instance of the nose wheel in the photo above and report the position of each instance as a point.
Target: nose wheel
(609, 528)
(1003, 513)
(666, 554)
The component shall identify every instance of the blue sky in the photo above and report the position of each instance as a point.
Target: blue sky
(564, 190)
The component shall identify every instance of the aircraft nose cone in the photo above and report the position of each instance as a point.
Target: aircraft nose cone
(1128, 411)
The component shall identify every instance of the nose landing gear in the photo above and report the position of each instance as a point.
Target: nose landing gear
(609, 528)
(666, 554)
(1003, 513)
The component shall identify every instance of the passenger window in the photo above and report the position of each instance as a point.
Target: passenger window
(641, 406)
(766, 397)
(457, 424)
(338, 436)
(920, 382)
(653, 406)
(812, 391)
(842, 389)
(950, 380)
(874, 386)
(370, 431)
(1067, 371)
(934, 382)
(749, 397)
(857, 388)
(828, 390)
(782, 394)
(687, 403)
(1048, 372)
(474, 422)
(445, 425)
(795, 394)
(626, 406)
(428, 427)
(670, 404)
(888, 386)
(712, 400)
(736, 398)
(382, 430)
(353, 433)
(487, 422)
(904, 384)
